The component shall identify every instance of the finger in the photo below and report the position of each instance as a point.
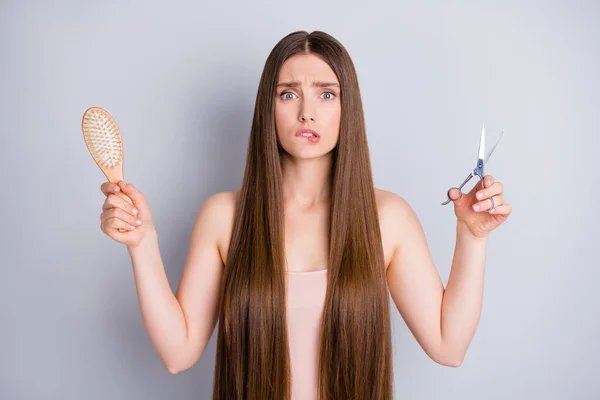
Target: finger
(109, 187)
(504, 209)
(488, 180)
(118, 213)
(114, 224)
(116, 201)
(454, 194)
(495, 189)
(486, 204)
(124, 197)
(135, 195)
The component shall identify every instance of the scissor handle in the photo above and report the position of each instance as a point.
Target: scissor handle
(471, 175)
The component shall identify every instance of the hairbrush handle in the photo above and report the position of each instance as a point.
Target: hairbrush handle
(128, 200)
(124, 197)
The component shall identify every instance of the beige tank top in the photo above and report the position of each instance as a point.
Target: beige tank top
(305, 301)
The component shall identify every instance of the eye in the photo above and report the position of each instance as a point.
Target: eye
(285, 96)
(331, 95)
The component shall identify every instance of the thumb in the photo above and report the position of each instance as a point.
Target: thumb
(138, 198)
(458, 199)
(454, 194)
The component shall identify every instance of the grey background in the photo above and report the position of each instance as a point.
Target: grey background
(181, 78)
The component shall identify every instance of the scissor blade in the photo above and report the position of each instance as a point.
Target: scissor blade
(482, 143)
(492, 150)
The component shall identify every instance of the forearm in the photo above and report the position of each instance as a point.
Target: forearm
(162, 315)
(463, 297)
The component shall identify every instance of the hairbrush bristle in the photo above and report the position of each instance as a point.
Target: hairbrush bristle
(102, 137)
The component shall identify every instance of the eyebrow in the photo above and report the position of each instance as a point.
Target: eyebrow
(317, 84)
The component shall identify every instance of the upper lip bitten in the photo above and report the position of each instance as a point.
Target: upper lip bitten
(306, 130)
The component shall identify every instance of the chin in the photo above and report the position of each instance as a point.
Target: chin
(315, 150)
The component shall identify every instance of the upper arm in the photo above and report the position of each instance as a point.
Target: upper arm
(199, 288)
(413, 280)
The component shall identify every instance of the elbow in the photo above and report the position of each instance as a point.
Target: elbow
(181, 364)
(176, 363)
(455, 363)
(448, 362)
(449, 358)
(173, 371)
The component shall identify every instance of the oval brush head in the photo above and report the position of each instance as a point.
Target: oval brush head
(103, 140)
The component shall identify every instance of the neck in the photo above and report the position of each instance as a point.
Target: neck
(306, 182)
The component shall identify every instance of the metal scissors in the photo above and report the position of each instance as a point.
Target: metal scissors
(478, 171)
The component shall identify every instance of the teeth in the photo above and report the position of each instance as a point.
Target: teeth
(307, 135)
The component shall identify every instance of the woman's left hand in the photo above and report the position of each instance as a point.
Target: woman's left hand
(471, 208)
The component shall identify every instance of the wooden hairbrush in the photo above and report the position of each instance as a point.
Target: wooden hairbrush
(103, 140)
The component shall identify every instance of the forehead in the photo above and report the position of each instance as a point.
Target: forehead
(306, 68)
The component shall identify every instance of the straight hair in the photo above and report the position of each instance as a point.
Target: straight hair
(355, 357)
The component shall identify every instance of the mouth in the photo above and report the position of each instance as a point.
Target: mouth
(307, 133)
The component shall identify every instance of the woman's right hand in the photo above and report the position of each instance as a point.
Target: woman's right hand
(118, 213)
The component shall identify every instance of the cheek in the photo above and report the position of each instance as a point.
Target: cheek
(277, 115)
(282, 117)
(333, 121)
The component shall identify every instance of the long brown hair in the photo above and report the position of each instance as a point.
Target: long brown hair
(355, 358)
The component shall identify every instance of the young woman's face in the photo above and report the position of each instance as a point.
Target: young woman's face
(307, 97)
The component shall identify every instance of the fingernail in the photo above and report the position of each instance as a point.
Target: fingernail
(479, 195)
(134, 211)
(138, 222)
(131, 227)
(476, 207)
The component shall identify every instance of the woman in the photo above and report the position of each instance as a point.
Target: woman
(297, 263)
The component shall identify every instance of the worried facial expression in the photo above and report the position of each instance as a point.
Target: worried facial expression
(307, 106)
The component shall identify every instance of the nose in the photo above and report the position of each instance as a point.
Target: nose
(306, 112)
(305, 118)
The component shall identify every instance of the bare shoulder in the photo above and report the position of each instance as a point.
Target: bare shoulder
(221, 204)
(390, 204)
(394, 215)
(219, 210)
